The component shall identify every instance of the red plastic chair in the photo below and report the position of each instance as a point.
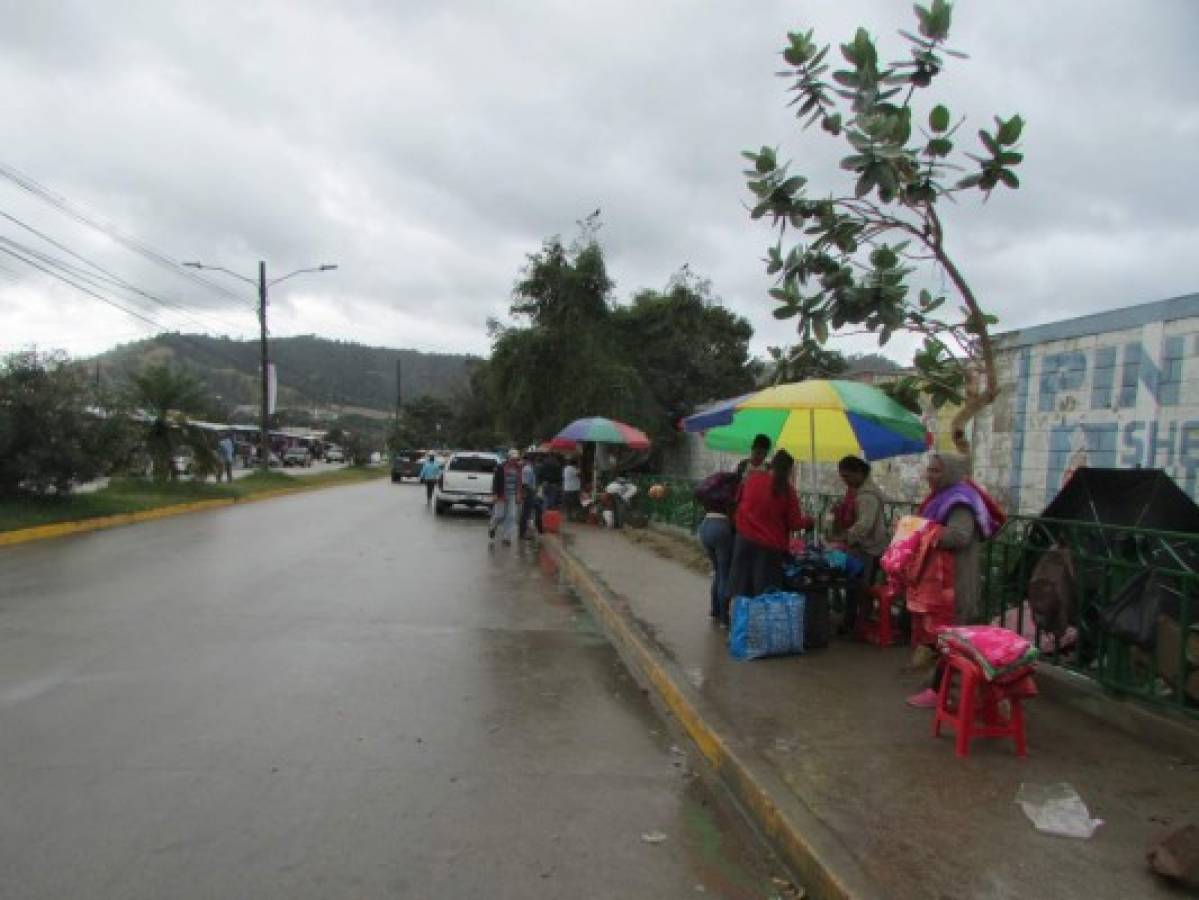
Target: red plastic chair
(877, 629)
(974, 709)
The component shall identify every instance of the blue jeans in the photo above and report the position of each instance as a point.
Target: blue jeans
(717, 537)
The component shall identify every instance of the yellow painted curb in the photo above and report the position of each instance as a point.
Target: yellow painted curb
(62, 529)
(824, 865)
(82, 526)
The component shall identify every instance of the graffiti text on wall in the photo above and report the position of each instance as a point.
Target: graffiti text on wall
(1154, 432)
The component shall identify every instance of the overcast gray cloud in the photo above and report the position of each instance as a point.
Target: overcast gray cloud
(428, 148)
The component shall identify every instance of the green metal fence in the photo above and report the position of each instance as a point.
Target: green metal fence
(677, 505)
(1106, 558)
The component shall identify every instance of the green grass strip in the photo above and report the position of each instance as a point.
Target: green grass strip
(126, 495)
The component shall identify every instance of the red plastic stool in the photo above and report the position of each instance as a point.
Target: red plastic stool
(876, 631)
(974, 711)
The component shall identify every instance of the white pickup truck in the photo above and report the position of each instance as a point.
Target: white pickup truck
(466, 481)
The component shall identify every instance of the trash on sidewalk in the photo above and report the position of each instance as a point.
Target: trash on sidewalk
(1057, 809)
(787, 889)
(653, 837)
(1176, 856)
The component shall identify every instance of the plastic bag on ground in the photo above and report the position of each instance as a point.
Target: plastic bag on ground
(1057, 809)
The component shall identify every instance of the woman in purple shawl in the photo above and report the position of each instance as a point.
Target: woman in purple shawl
(967, 516)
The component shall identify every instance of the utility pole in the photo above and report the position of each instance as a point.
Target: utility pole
(266, 368)
(399, 393)
(262, 284)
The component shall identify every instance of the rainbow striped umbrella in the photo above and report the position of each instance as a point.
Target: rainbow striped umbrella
(817, 420)
(599, 430)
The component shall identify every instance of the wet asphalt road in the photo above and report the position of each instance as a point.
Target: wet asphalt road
(330, 695)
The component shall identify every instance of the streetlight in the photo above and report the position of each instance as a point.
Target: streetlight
(262, 284)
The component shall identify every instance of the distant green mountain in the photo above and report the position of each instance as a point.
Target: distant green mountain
(312, 371)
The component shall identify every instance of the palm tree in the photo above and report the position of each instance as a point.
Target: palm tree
(167, 397)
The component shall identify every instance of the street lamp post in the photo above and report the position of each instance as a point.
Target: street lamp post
(262, 284)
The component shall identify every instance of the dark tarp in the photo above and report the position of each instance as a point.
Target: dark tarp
(1131, 498)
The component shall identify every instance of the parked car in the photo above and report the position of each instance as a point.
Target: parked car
(406, 464)
(333, 453)
(297, 456)
(466, 481)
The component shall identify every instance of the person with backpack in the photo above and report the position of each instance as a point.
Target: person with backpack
(717, 494)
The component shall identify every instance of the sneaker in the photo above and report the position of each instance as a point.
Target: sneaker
(926, 699)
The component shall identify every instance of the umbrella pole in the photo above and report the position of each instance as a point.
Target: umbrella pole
(812, 448)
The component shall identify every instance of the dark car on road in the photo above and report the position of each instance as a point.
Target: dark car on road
(406, 464)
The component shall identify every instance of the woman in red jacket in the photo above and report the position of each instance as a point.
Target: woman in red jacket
(767, 512)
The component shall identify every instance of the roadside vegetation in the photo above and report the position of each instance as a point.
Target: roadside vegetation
(127, 495)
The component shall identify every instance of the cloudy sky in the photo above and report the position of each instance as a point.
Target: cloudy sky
(426, 148)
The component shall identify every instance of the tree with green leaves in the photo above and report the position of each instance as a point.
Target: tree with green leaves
(686, 347)
(167, 397)
(856, 253)
(561, 359)
(51, 435)
(807, 359)
(424, 422)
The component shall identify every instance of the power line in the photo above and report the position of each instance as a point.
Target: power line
(107, 277)
(137, 246)
(79, 287)
(237, 363)
(45, 237)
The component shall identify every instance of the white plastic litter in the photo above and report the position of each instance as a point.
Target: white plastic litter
(653, 837)
(1057, 809)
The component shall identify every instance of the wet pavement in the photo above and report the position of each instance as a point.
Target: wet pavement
(832, 726)
(334, 694)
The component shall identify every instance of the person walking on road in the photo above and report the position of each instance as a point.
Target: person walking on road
(508, 491)
(224, 449)
(549, 479)
(430, 471)
(531, 504)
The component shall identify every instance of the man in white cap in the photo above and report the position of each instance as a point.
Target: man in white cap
(508, 491)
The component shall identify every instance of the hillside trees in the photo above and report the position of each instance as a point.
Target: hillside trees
(854, 255)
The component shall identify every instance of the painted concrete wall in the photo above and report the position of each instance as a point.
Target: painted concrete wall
(1122, 397)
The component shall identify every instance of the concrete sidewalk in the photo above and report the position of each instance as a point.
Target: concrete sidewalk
(848, 783)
